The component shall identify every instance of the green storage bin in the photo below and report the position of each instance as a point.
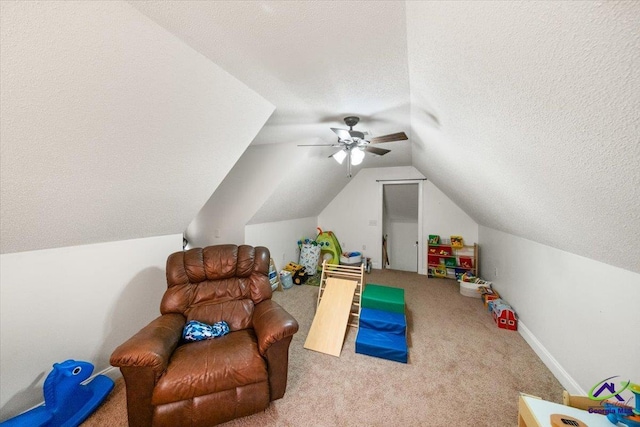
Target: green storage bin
(450, 262)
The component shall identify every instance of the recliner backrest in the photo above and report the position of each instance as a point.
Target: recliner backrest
(216, 283)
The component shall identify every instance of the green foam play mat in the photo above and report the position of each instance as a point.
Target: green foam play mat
(383, 298)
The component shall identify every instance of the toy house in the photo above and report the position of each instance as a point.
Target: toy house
(505, 317)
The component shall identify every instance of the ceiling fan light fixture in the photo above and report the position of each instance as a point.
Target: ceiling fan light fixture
(340, 156)
(357, 156)
(354, 143)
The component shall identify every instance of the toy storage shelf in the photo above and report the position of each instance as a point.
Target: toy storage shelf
(455, 261)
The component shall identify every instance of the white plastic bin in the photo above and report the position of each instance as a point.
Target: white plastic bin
(286, 279)
(469, 289)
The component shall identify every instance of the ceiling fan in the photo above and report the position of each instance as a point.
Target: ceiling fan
(353, 144)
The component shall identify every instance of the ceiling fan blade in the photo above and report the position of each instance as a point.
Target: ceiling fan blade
(356, 134)
(342, 133)
(400, 136)
(318, 145)
(377, 151)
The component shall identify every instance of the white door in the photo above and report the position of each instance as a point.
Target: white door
(401, 210)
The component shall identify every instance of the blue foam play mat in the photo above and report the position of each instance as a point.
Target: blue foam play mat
(382, 344)
(383, 321)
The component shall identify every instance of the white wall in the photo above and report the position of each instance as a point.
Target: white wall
(242, 193)
(354, 214)
(445, 218)
(281, 237)
(581, 316)
(75, 302)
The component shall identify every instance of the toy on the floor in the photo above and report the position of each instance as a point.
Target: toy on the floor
(504, 316)
(383, 324)
(624, 414)
(468, 277)
(298, 273)
(488, 293)
(286, 278)
(292, 266)
(330, 249)
(310, 254)
(274, 277)
(351, 258)
(338, 306)
(493, 303)
(67, 402)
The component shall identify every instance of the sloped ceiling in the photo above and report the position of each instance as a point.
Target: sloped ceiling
(527, 115)
(263, 180)
(524, 113)
(112, 128)
(317, 62)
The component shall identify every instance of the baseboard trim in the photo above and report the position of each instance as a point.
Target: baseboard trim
(550, 362)
(111, 372)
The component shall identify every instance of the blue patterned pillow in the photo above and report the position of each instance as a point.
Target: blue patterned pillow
(198, 331)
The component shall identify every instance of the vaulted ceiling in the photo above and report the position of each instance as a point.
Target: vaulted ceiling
(526, 114)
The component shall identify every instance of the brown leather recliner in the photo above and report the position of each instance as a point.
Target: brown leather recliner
(174, 383)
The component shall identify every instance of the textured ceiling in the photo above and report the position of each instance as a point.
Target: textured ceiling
(524, 113)
(529, 119)
(111, 126)
(317, 62)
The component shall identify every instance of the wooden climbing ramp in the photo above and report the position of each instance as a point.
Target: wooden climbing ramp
(339, 300)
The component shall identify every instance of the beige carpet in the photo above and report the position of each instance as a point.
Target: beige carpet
(462, 370)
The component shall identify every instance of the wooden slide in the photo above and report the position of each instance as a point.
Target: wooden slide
(330, 323)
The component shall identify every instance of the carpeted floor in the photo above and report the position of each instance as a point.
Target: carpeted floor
(462, 370)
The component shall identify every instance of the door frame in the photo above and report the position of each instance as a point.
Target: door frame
(421, 252)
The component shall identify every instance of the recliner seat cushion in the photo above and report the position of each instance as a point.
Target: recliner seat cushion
(205, 367)
(237, 313)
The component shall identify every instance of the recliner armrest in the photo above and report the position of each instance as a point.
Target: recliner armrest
(272, 323)
(152, 346)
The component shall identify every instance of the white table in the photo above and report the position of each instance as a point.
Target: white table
(534, 412)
